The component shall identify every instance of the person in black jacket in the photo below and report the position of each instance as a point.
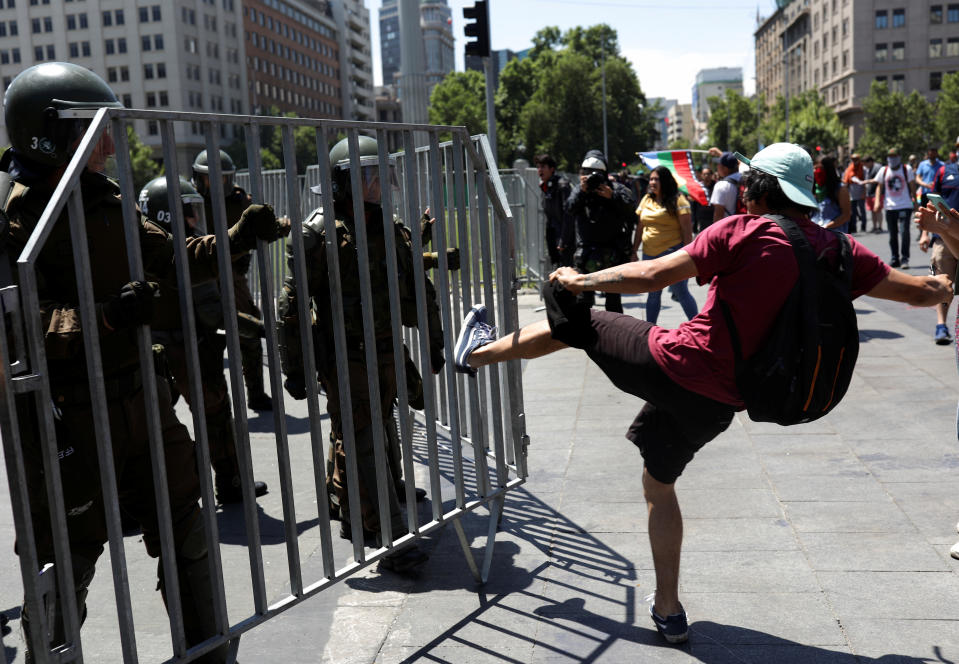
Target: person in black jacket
(560, 237)
(602, 212)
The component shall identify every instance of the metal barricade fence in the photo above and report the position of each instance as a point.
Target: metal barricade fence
(526, 203)
(471, 433)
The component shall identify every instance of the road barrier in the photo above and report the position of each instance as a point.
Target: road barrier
(471, 433)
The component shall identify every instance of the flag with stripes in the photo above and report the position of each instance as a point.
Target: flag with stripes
(680, 164)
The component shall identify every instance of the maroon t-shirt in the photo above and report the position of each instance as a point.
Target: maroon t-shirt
(749, 263)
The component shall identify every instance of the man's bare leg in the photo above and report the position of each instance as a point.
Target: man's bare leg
(942, 311)
(665, 540)
(527, 343)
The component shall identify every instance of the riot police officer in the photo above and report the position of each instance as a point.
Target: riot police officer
(317, 289)
(168, 332)
(236, 202)
(42, 143)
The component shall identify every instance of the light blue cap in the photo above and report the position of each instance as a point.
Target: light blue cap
(789, 164)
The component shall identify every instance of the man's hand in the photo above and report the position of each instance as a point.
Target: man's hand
(132, 306)
(930, 220)
(582, 182)
(924, 241)
(568, 278)
(605, 191)
(945, 287)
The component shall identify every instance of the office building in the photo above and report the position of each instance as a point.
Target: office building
(436, 23)
(840, 48)
(157, 55)
(679, 124)
(356, 60)
(293, 57)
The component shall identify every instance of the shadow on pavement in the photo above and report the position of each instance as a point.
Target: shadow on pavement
(868, 335)
(262, 422)
(232, 527)
(9, 652)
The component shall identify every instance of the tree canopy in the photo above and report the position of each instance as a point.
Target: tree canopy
(897, 120)
(552, 101)
(947, 112)
(811, 123)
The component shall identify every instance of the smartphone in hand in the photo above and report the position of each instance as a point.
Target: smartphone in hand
(939, 202)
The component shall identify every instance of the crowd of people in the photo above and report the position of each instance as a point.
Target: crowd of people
(747, 248)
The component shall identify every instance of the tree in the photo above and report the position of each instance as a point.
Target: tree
(145, 168)
(460, 100)
(811, 123)
(897, 120)
(947, 112)
(553, 101)
(517, 83)
(733, 122)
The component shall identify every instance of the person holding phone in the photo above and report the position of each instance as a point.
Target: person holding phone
(941, 261)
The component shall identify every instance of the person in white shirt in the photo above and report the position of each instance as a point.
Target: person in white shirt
(726, 189)
(895, 192)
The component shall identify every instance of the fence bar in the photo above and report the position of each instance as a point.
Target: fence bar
(242, 438)
(339, 343)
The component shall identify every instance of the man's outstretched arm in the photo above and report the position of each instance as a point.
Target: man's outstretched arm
(918, 291)
(635, 277)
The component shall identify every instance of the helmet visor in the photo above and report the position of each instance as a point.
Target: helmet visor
(193, 213)
(371, 180)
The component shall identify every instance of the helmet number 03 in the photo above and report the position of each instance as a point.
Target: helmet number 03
(164, 216)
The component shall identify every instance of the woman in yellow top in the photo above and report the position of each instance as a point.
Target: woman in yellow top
(665, 225)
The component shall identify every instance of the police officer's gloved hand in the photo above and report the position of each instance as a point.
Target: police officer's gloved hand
(295, 387)
(258, 222)
(437, 357)
(453, 258)
(133, 306)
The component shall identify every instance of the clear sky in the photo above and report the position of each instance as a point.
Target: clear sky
(667, 41)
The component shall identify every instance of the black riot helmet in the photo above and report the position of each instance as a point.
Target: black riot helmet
(201, 172)
(369, 168)
(155, 205)
(32, 105)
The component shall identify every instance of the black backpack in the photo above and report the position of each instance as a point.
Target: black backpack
(803, 367)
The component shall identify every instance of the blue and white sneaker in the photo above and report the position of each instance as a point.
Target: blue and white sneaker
(941, 337)
(674, 628)
(476, 332)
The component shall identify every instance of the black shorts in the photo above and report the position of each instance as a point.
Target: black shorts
(675, 422)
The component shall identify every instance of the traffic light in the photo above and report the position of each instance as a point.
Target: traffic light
(479, 28)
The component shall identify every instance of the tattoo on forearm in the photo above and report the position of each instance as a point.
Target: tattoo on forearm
(610, 276)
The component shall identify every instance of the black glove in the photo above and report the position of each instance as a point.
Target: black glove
(295, 387)
(258, 222)
(431, 259)
(453, 258)
(133, 306)
(437, 357)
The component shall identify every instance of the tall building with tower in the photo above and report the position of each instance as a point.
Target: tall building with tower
(436, 24)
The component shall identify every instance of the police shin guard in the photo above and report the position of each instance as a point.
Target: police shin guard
(83, 571)
(196, 594)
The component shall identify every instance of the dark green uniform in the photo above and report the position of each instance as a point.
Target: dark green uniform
(318, 288)
(63, 335)
(168, 331)
(251, 349)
